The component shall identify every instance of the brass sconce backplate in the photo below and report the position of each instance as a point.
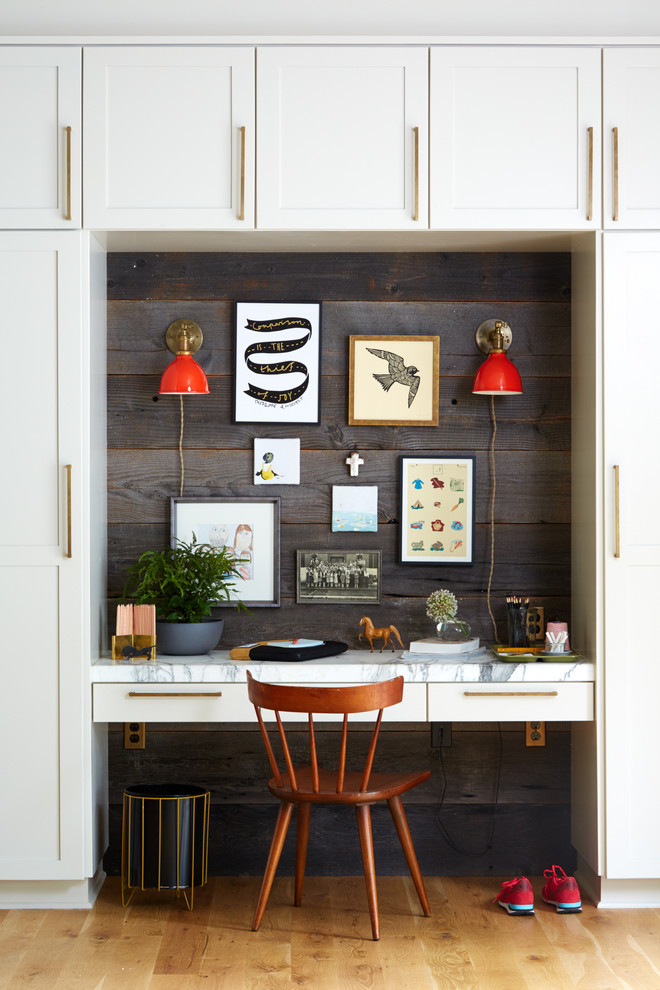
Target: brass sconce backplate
(484, 335)
(195, 336)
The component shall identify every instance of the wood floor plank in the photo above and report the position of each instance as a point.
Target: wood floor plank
(468, 943)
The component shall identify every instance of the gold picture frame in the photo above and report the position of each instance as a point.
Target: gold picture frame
(393, 380)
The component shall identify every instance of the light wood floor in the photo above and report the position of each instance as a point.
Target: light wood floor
(469, 943)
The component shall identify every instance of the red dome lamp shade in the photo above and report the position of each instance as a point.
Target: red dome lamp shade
(183, 376)
(496, 376)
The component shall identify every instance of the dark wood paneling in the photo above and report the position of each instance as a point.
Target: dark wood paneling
(294, 277)
(447, 294)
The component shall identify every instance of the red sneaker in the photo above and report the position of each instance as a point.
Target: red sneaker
(561, 891)
(516, 896)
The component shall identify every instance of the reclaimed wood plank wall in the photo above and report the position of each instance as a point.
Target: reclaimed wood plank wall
(430, 293)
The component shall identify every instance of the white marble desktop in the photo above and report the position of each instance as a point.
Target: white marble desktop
(354, 666)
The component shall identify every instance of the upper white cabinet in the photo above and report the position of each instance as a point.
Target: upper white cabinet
(40, 127)
(515, 138)
(631, 137)
(342, 138)
(44, 706)
(169, 137)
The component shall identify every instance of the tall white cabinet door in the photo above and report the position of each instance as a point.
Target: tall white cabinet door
(169, 137)
(631, 555)
(42, 685)
(342, 138)
(515, 138)
(41, 137)
(631, 137)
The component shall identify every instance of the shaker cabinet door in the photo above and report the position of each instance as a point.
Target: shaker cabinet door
(515, 138)
(41, 138)
(169, 138)
(342, 138)
(43, 687)
(631, 554)
(631, 137)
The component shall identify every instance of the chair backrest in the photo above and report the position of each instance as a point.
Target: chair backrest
(315, 699)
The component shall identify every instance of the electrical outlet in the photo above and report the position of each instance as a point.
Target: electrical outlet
(440, 734)
(134, 735)
(535, 733)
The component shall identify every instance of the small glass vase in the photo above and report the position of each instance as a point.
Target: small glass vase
(453, 631)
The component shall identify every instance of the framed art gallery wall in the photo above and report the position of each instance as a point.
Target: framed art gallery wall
(380, 295)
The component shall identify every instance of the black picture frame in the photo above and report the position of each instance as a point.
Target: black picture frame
(258, 395)
(345, 580)
(437, 509)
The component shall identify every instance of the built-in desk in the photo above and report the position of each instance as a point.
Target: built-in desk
(468, 688)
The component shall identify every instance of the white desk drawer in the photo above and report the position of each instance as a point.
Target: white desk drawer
(172, 703)
(511, 702)
(217, 703)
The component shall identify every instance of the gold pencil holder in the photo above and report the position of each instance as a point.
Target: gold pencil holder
(118, 644)
(137, 643)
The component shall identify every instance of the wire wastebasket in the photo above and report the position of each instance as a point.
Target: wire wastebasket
(164, 839)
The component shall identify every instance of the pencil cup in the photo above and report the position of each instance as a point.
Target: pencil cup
(118, 644)
(517, 623)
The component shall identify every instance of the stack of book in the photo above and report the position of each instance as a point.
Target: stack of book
(435, 647)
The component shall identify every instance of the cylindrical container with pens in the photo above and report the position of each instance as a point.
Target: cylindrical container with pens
(517, 620)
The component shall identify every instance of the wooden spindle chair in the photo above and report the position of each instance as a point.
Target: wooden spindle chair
(305, 786)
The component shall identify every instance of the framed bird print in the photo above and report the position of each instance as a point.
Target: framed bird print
(437, 509)
(393, 380)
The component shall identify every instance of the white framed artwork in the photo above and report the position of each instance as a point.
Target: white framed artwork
(276, 462)
(354, 508)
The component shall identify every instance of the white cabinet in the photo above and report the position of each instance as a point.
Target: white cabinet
(169, 137)
(631, 137)
(631, 555)
(44, 706)
(342, 138)
(41, 137)
(515, 138)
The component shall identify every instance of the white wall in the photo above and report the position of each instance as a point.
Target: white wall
(595, 18)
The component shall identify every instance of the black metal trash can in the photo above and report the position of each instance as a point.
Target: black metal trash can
(164, 839)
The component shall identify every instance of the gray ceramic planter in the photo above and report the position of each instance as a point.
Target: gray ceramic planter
(188, 639)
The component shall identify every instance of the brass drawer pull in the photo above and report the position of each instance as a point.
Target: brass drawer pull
(617, 513)
(175, 694)
(615, 149)
(590, 193)
(510, 694)
(69, 552)
(241, 211)
(67, 215)
(416, 156)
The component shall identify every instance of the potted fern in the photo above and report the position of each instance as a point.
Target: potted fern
(184, 582)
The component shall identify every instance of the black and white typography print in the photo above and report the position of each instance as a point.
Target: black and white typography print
(277, 363)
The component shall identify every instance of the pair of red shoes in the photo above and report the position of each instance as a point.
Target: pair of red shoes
(517, 896)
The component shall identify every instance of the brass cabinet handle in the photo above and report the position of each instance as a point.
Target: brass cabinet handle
(590, 189)
(615, 174)
(617, 517)
(241, 212)
(67, 215)
(175, 694)
(68, 511)
(416, 157)
(510, 694)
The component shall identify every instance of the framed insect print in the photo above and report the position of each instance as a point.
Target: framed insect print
(393, 380)
(437, 510)
(277, 372)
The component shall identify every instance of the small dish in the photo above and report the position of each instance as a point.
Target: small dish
(558, 657)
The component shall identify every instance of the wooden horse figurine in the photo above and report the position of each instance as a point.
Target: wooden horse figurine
(371, 633)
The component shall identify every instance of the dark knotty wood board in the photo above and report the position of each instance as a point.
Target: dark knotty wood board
(447, 294)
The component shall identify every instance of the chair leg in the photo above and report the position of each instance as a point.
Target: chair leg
(277, 842)
(401, 823)
(304, 812)
(363, 812)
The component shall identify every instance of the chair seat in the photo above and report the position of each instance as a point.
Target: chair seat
(381, 787)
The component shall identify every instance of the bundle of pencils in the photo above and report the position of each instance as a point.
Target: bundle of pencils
(124, 625)
(514, 600)
(144, 620)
